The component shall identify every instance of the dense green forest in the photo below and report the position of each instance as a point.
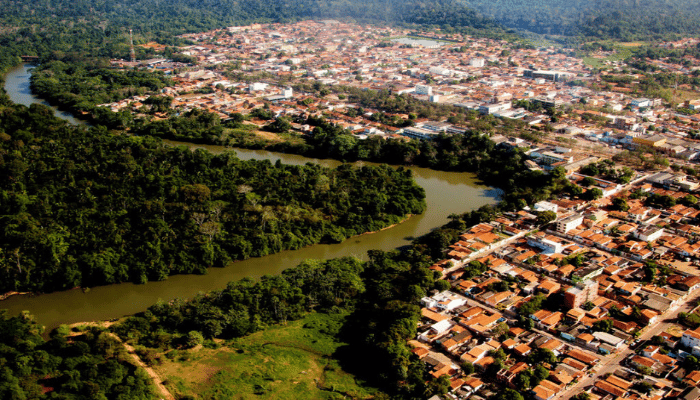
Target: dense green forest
(625, 20)
(84, 207)
(71, 365)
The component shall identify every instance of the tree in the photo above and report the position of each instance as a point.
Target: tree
(603, 325)
(542, 355)
(507, 394)
(644, 370)
(468, 368)
(588, 181)
(546, 217)
(620, 204)
(194, 338)
(582, 396)
(689, 200)
(645, 387)
(540, 373)
(522, 380)
(593, 194)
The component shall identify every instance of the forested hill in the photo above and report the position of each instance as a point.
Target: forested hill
(179, 16)
(617, 19)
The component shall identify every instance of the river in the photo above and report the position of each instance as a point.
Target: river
(446, 193)
(17, 86)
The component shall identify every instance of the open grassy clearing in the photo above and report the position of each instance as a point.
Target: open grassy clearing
(622, 52)
(281, 362)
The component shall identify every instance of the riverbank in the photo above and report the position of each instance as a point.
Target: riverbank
(7, 295)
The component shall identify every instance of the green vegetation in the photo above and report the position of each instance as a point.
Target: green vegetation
(71, 365)
(618, 53)
(83, 207)
(78, 87)
(689, 319)
(379, 298)
(624, 20)
(291, 361)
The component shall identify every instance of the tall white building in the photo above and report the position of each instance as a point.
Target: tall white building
(424, 89)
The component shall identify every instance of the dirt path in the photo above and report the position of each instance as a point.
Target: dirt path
(157, 380)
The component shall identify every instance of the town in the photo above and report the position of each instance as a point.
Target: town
(570, 298)
(241, 69)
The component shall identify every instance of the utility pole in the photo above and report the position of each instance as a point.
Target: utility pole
(132, 53)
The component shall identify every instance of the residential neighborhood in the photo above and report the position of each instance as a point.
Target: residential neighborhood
(598, 301)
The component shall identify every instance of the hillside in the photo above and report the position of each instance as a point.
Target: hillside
(617, 19)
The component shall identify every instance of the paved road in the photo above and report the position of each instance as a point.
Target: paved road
(612, 362)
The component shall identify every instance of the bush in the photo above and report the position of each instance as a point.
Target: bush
(194, 338)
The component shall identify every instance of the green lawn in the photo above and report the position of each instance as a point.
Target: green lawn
(281, 362)
(622, 52)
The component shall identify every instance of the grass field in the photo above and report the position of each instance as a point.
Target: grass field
(281, 362)
(622, 52)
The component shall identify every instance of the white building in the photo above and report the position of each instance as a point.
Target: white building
(611, 340)
(566, 224)
(477, 62)
(445, 301)
(419, 133)
(547, 246)
(257, 87)
(690, 339)
(424, 89)
(494, 108)
(649, 234)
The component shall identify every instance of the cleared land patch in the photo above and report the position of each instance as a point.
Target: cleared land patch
(293, 361)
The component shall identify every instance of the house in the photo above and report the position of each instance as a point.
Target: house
(522, 350)
(445, 301)
(548, 287)
(609, 388)
(583, 357)
(546, 390)
(550, 322)
(475, 354)
(692, 379)
(542, 393)
(690, 338)
(473, 384)
(507, 375)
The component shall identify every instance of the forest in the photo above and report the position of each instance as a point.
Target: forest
(91, 364)
(624, 20)
(85, 207)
